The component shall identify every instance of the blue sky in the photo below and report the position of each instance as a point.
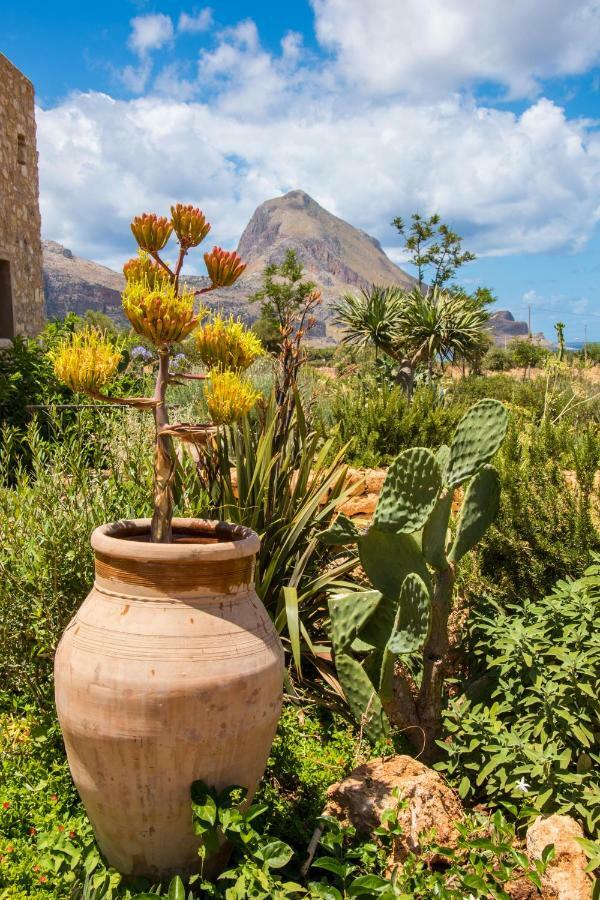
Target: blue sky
(487, 113)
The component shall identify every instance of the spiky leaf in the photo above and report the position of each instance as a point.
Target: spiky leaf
(413, 617)
(388, 558)
(435, 532)
(343, 531)
(349, 612)
(409, 492)
(478, 435)
(479, 509)
(362, 697)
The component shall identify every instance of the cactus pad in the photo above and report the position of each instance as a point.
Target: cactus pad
(388, 558)
(409, 491)
(343, 531)
(362, 697)
(349, 612)
(413, 618)
(478, 435)
(479, 509)
(435, 532)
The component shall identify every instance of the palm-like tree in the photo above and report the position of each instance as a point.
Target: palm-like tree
(443, 325)
(414, 327)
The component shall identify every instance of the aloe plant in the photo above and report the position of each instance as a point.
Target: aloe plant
(411, 554)
(162, 310)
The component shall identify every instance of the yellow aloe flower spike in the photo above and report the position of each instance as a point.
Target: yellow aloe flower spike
(85, 361)
(158, 313)
(227, 344)
(229, 397)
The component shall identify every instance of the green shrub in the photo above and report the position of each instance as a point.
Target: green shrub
(498, 360)
(546, 528)
(48, 509)
(379, 421)
(527, 728)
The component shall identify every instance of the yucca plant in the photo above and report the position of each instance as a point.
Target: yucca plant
(163, 311)
(287, 496)
(414, 327)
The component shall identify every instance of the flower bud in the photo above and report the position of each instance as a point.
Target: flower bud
(151, 231)
(189, 224)
(224, 267)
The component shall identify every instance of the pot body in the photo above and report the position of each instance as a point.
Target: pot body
(170, 671)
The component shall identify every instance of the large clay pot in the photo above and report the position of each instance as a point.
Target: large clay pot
(171, 671)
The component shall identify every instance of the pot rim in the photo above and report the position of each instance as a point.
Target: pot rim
(109, 539)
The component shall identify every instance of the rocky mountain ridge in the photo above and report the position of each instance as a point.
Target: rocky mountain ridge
(335, 254)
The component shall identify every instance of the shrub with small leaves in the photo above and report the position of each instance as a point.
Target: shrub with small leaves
(527, 729)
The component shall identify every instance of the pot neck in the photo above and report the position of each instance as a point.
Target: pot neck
(213, 560)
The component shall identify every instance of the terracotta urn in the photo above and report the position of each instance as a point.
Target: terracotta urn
(170, 671)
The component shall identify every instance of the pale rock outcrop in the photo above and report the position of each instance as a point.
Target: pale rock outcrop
(362, 797)
(565, 877)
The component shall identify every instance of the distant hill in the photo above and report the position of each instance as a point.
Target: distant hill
(335, 254)
(72, 284)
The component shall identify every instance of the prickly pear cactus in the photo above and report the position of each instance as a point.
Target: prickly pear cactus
(409, 492)
(405, 555)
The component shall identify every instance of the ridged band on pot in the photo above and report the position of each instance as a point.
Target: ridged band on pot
(170, 671)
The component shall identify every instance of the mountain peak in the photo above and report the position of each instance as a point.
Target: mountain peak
(334, 253)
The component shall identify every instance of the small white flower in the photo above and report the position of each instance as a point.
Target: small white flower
(522, 785)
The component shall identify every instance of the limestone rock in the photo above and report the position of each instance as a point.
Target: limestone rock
(366, 793)
(361, 507)
(565, 878)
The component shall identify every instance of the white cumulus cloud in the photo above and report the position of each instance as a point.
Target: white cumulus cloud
(249, 124)
(421, 47)
(150, 32)
(195, 23)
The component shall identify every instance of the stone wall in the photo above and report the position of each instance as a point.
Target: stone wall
(21, 280)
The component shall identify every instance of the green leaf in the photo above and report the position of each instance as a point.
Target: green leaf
(176, 889)
(341, 532)
(290, 597)
(464, 787)
(325, 891)
(479, 509)
(330, 864)
(409, 492)
(275, 854)
(478, 436)
(365, 885)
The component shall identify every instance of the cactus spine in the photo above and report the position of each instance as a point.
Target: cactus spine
(410, 554)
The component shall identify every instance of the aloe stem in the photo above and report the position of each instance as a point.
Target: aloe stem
(161, 529)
